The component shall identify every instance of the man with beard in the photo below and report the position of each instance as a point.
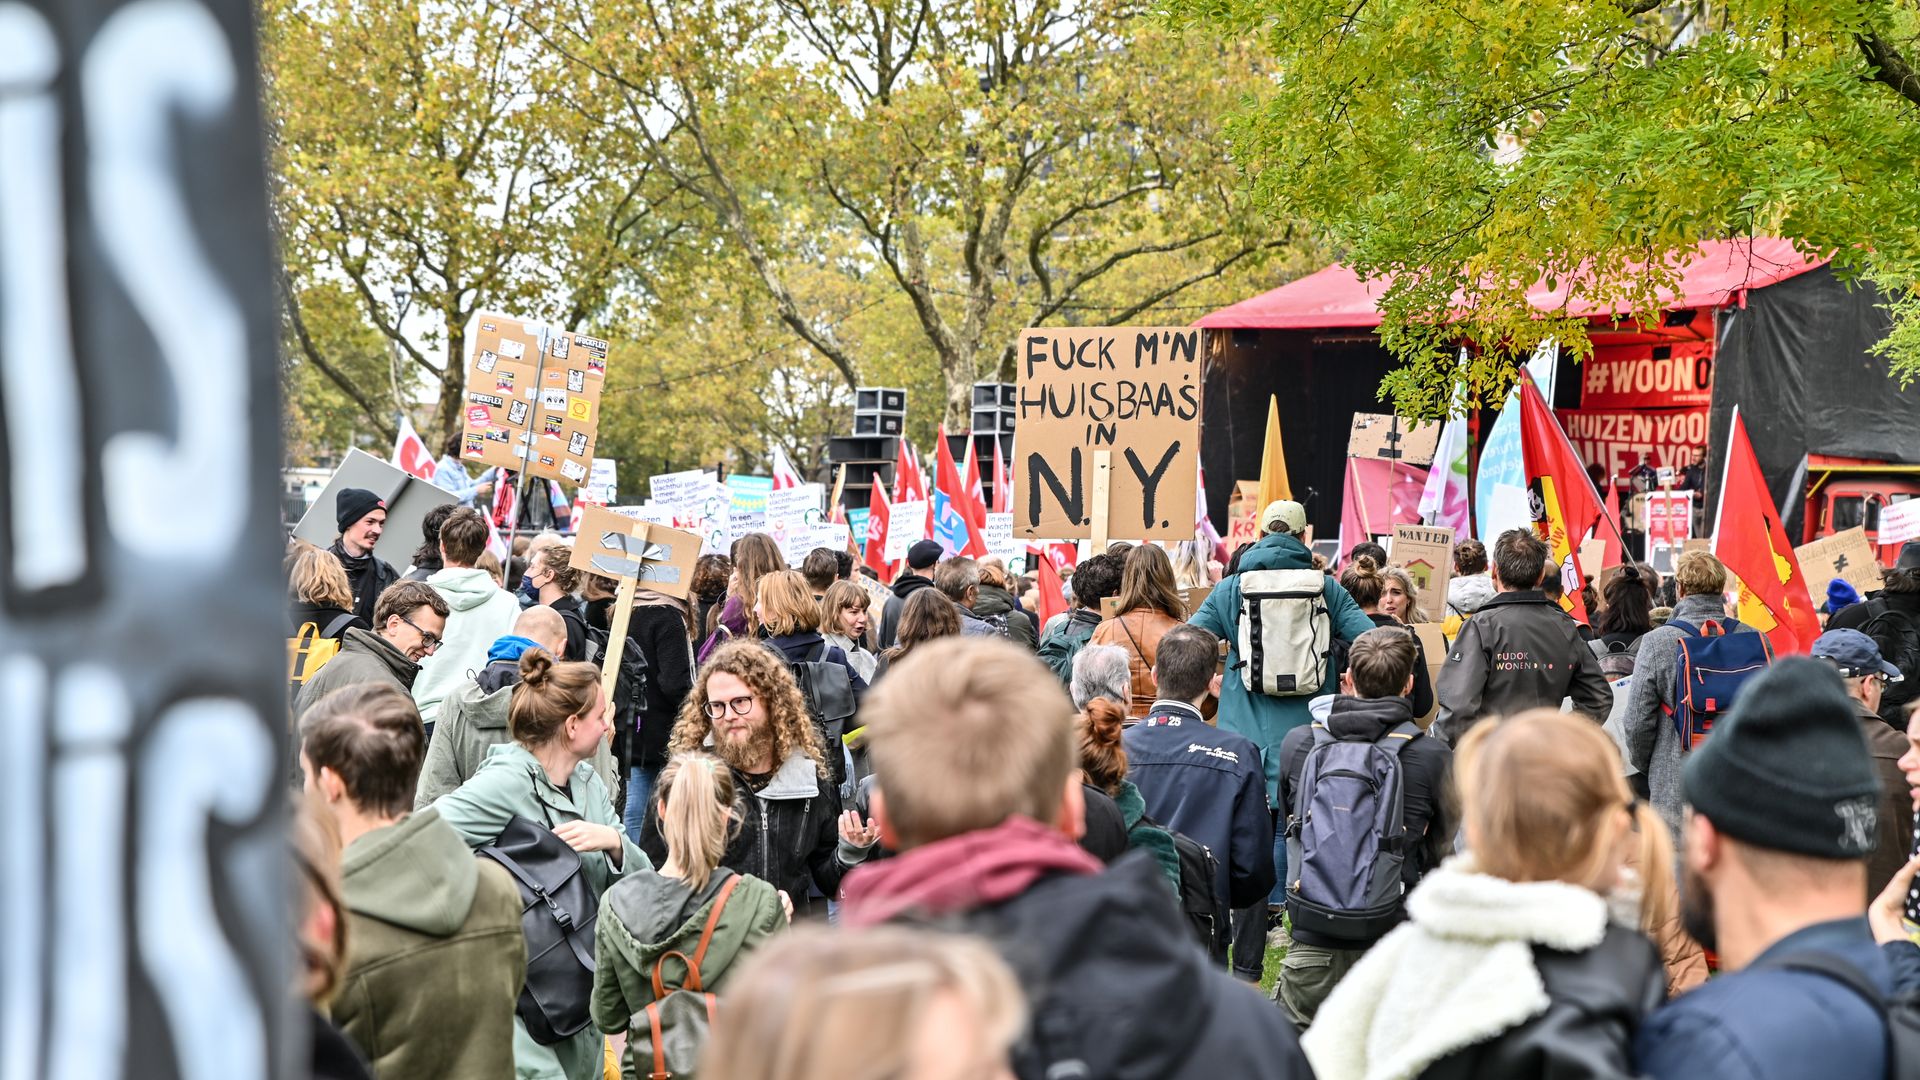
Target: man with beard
(746, 708)
(1782, 814)
(361, 516)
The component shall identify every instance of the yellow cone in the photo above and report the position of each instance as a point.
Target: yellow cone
(1273, 460)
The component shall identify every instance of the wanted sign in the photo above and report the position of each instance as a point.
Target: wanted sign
(1133, 392)
(533, 397)
(1426, 552)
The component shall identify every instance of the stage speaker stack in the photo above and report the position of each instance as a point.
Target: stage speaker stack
(879, 415)
(993, 413)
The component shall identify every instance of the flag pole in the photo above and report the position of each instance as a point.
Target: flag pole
(1726, 465)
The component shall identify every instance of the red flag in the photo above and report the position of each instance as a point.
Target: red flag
(976, 508)
(946, 481)
(784, 474)
(410, 453)
(1748, 537)
(1608, 531)
(1560, 492)
(579, 511)
(875, 554)
(1052, 600)
(1379, 493)
(506, 498)
(1002, 481)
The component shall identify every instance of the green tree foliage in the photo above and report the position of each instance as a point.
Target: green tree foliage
(1469, 148)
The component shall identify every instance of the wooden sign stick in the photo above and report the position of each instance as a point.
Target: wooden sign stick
(1102, 488)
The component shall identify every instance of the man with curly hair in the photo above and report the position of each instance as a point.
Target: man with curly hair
(746, 708)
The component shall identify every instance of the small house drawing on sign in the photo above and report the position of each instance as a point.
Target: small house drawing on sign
(1422, 573)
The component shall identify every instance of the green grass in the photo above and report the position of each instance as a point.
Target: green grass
(1270, 969)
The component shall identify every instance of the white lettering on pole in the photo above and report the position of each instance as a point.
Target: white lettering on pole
(41, 388)
(151, 62)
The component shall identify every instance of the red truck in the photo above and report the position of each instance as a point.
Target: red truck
(1843, 493)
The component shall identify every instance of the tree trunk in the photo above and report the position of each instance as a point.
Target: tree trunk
(453, 388)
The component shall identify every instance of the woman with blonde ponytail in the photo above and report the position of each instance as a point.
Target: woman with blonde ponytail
(1526, 956)
(657, 920)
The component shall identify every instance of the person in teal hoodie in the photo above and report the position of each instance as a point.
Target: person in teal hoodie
(558, 718)
(481, 614)
(1263, 718)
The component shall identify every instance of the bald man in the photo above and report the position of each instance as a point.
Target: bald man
(473, 719)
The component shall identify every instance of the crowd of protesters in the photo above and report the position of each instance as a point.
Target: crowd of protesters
(825, 828)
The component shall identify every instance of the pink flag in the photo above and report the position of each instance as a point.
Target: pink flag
(1380, 493)
(784, 475)
(1002, 481)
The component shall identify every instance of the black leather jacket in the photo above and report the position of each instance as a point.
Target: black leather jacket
(1598, 999)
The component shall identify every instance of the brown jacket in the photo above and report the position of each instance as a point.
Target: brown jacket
(1896, 805)
(1139, 632)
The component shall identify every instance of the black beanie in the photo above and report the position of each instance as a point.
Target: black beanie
(1788, 769)
(352, 504)
(922, 554)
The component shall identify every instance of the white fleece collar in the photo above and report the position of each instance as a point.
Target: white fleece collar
(1459, 973)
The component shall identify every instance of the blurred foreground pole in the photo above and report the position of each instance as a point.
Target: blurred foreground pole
(142, 748)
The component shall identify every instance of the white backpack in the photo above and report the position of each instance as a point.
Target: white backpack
(1285, 632)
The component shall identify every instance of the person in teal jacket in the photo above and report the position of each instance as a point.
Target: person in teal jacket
(558, 718)
(1262, 718)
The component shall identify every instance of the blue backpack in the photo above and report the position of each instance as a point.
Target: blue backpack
(1713, 663)
(1347, 836)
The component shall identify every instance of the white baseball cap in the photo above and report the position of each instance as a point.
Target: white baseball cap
(1284, 512)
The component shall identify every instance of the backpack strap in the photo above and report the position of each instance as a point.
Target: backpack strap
(692, 981)
(1396, 741)
(659, 1070)
(338, 626)
(1835, 968)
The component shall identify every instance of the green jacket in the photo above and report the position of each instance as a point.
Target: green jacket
(364, 657)
(1064, 642)
(1260, 717)
(1143, 834)
(512, 782)
(435, 954)
(472, 722)
(647, 915)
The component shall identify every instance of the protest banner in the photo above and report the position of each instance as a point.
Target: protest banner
(408, 499)
(650, 512)
(1899, 522)
(1845, 555)
(533, 397)
(602, 481)
(1668, 517)
(1426, 552)
(1107, 433)
(748, 494)
(701, 505)
(794, 519)
(1646, 375)
(147, 925)
(1379, 435)
(1616, 439)
(1000, 541)
(1243, 511)
(906, 526)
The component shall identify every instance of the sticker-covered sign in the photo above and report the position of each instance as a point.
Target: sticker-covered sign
(530, 379)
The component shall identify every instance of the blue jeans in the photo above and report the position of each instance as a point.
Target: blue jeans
(639, 790)
(1279, 894)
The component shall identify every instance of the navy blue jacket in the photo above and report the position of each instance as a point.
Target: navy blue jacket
(1210, 785)
(1765, 1023)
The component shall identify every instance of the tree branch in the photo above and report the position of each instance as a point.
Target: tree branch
(1889, 66)
(312, 353)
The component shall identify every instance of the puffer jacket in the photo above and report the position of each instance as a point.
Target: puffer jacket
(1491, 979)
(1260, 717)
(648, 916)
(1139, 632)
(433, 932)
(789, 834)
(1520, 652)
(994, 600)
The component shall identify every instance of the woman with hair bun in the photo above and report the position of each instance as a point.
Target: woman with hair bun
(1103, 762)
(557, 718)
(1368, 583)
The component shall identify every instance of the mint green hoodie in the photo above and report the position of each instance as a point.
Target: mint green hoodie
(481, 612)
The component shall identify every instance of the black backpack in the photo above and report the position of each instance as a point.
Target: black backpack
(557, 914)
(1210, 921)
(630, 689)
(1901, 1012)
(828, 691)
(1899, 641)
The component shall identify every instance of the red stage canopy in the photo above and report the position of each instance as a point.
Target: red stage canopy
(1717, 273)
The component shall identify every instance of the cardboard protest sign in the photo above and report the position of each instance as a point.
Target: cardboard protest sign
(1900, 522)
(1131, 392)
(1845, 555)
(147, 925)
(1379, 435)
(408, 499)
(533, 397)
(1433, 647)
(1426, 551)
(654, 556)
